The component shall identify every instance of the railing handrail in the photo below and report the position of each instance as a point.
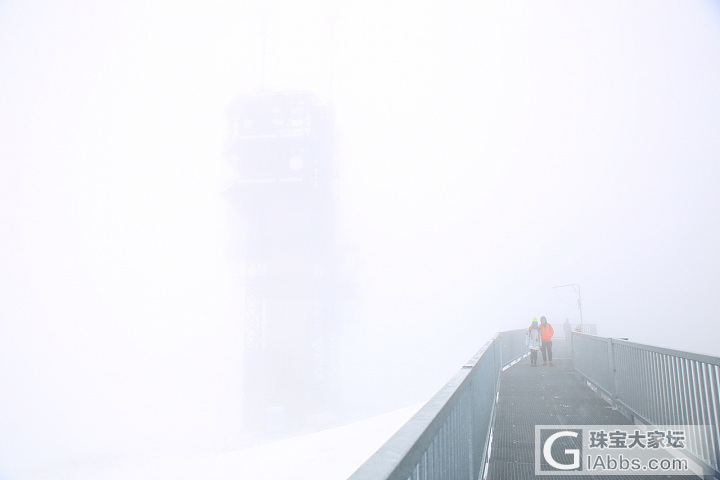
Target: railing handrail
(472, 392)
(414, 435)
(656, 385)
(698, 357)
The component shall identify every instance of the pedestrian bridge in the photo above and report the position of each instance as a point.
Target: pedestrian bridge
(482, 423)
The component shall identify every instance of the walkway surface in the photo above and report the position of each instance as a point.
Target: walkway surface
(541, 395)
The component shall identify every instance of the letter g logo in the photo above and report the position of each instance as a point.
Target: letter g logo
(570, 451)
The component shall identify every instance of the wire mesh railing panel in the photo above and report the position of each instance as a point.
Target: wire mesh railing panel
(658, 386)
(591, 357)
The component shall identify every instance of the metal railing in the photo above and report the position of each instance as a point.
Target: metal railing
(449, 437)
(657, 386)
(589, 328)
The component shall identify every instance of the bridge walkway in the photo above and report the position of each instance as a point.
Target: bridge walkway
(544, 395)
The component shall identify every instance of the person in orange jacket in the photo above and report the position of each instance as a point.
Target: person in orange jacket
(546, 334)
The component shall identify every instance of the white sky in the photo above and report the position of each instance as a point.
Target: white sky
(487, 152)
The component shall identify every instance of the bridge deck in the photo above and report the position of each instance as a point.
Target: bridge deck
(540, 395)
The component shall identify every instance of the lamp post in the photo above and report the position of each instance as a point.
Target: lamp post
(579, 299)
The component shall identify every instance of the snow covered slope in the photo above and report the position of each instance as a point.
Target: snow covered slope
(331, 454)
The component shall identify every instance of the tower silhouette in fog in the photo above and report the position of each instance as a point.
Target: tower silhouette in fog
(281, 146)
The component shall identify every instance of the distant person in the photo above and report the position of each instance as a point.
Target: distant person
(546, 334)
(533, 341)
(568, 329)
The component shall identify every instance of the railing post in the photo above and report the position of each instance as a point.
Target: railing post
(502, 351)
(496, 364)
(613, 380)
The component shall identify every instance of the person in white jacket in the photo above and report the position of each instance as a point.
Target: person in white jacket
(533, 341)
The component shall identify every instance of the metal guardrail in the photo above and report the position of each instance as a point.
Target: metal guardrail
(589, 328)
(449, 437)
(658, 386)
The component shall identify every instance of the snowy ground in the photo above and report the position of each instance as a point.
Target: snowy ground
(330, 454)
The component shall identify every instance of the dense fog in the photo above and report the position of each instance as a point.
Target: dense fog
(482, 154)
